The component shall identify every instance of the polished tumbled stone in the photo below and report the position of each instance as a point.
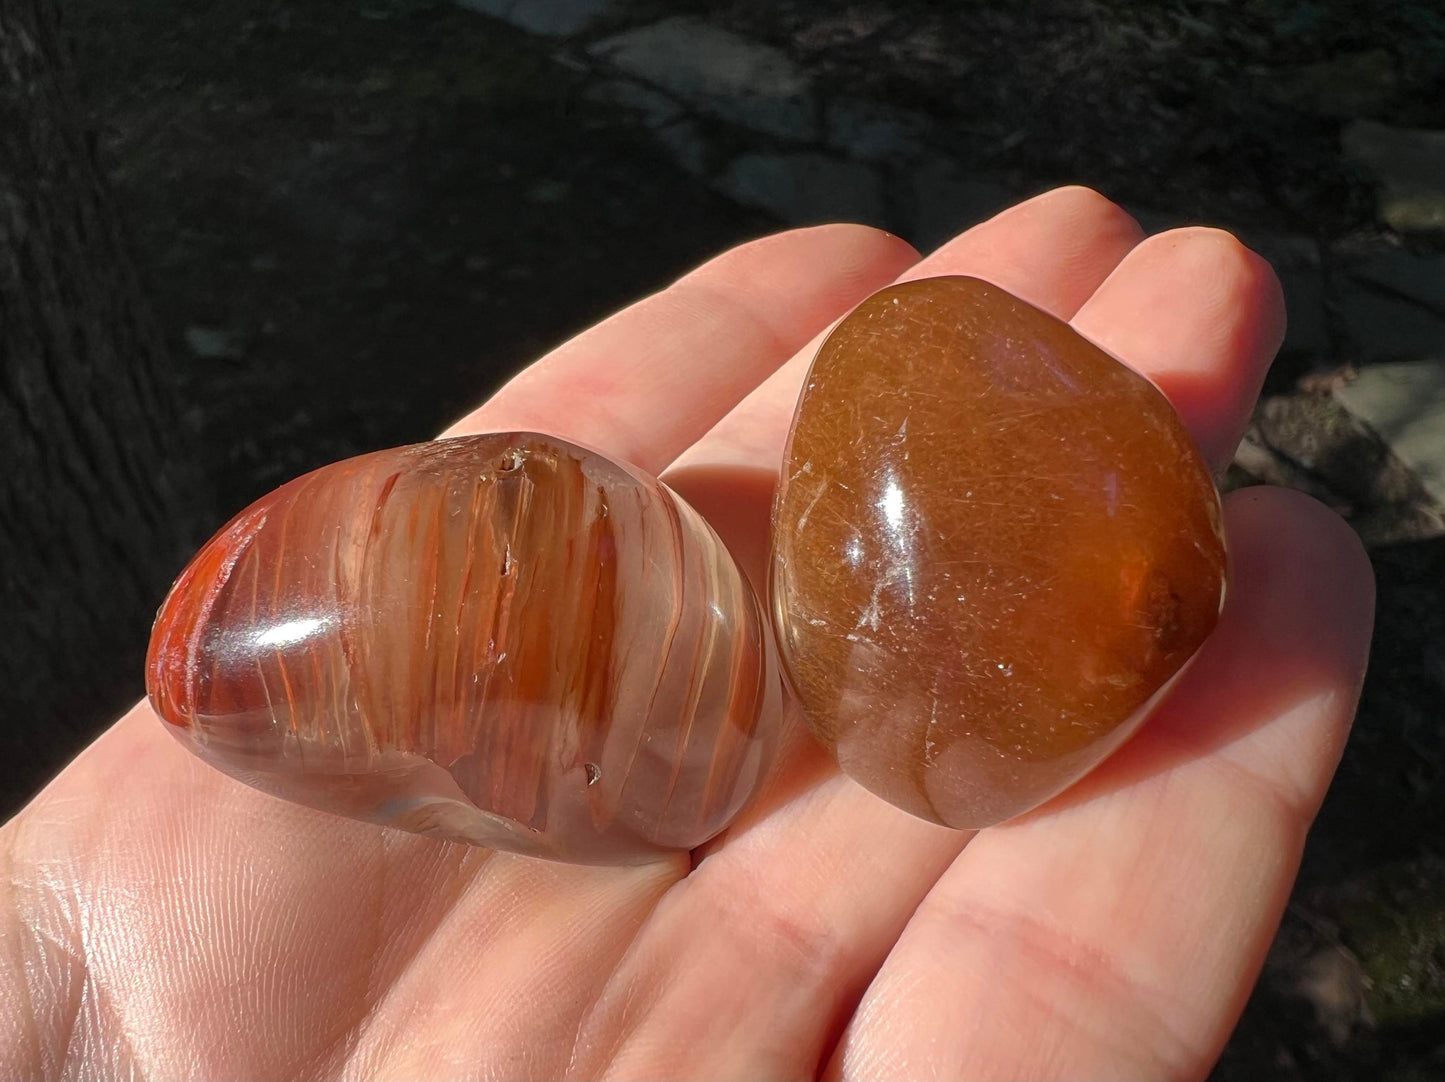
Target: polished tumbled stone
(994, 545)
(502, 639)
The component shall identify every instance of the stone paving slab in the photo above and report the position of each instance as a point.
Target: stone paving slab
(547, 18)
(1385, 327)
(1312, 443)
(656, 108)
(806, 188)
(1416, 278)
(1405, 404)
(1410, 166)
(873, 131)
(718, 72)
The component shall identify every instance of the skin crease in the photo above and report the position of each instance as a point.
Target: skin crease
(159, 919)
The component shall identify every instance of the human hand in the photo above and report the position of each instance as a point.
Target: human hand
(158, 918)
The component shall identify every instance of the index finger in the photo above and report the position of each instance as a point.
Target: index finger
(647, 382)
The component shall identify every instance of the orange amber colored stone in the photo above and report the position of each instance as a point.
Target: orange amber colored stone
(501, 639)
(994, 545)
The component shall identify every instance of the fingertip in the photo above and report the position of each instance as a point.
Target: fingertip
(1199, 314)
(1053, 250)
(1229, 276)
(852, 252)
(1088, 207)
(1097, 230)
(866, 237)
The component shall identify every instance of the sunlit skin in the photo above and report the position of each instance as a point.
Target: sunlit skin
(159, 918)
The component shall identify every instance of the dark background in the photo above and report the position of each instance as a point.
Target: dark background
(351, 221)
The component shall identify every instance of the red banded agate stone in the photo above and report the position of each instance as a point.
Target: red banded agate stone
(502, 639)
(994, 546)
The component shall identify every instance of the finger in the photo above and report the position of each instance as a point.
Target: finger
(1202, 316)
(775, 933)
(650, 380)
(1052, 251)
(1117, 931)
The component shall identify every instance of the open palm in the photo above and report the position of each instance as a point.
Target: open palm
(158, 918)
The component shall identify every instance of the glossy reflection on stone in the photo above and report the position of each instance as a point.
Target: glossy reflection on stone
(994, 545)
(502, 639)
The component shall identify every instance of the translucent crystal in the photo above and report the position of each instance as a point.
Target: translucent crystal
(994, 545)
(503, 639)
